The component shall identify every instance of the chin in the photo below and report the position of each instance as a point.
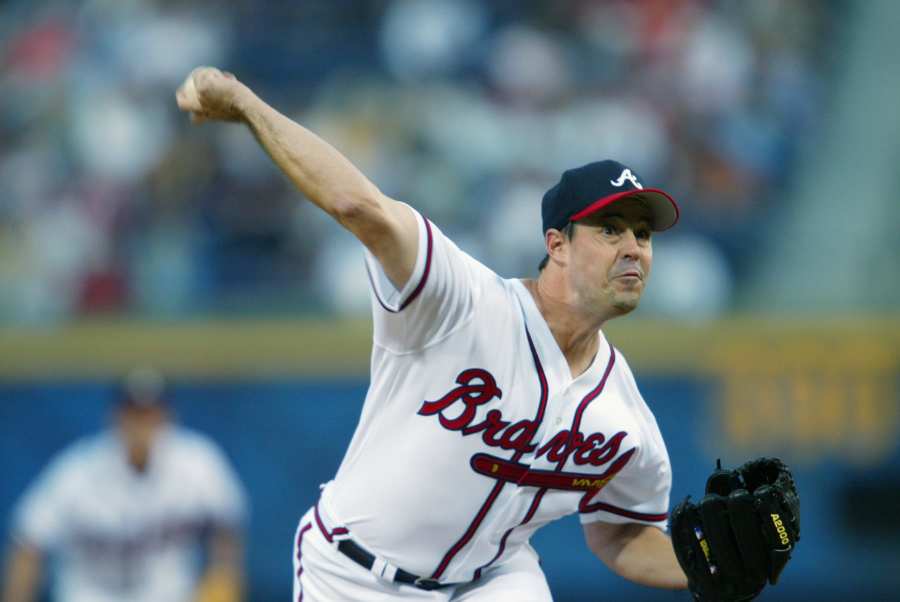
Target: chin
(626, 306)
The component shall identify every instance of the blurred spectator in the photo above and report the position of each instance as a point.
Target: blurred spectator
(107, 205)
(125, 513)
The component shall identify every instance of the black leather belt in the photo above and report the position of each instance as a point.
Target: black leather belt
(364, 558)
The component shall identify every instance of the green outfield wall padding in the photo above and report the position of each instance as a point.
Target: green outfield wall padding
(242, 349)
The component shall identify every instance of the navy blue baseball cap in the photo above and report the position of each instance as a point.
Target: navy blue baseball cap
(584, 190)
(142, 387)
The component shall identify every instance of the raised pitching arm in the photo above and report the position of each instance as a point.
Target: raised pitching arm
(327, 178)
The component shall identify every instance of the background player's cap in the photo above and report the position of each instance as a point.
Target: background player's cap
(583, 190)
(142, 387)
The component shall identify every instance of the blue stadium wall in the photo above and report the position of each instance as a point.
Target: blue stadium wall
(282, 398)
(286, 436)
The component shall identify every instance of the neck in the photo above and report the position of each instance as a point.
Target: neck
(575, 331)
(138, 459)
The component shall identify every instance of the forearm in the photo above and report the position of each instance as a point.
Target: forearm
(649, 559)
(224, 576)
(220, 584)
(387, 228)
(23, 574)
(316, 168)
(639, 553)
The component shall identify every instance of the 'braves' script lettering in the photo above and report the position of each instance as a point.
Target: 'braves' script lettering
(456, 411)
(478, 387)
(471, 392)
(594, 449)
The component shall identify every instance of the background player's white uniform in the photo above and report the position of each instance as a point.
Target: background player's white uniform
(124, 536)
(473, 435)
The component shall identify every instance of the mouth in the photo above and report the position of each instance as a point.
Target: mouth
(629, 275)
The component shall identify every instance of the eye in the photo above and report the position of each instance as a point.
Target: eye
(642, 233)
(609, 229)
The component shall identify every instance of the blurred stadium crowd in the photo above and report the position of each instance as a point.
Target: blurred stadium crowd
(111, 204)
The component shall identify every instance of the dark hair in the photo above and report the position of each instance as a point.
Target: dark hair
(569, 232)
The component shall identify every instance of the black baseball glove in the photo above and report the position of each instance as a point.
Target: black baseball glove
(741, 534)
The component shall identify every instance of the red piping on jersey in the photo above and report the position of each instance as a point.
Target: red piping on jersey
(473, 526)
(528, 516)
(427, 269)
(303, 531)
(576, 422)
(651, 518)
(540, 494)
(476, 522)
(583, 507)
(422, 280)
(329, 535)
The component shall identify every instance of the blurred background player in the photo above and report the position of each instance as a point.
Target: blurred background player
(125, 513)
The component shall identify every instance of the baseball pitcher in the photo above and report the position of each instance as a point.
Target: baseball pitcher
(497, 405)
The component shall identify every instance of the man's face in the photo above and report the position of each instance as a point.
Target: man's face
(139, 426)
(610, 258)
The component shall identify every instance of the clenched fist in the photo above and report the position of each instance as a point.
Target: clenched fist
(210, 94)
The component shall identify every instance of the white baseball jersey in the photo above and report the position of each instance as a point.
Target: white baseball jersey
(124, 536)
(474, 434)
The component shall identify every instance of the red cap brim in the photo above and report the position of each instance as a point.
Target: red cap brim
(664, 208)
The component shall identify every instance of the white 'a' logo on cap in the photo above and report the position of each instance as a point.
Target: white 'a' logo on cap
(626, 175)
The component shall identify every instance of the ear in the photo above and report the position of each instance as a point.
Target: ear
(557, 245)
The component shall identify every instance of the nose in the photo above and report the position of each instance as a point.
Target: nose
(629, 248)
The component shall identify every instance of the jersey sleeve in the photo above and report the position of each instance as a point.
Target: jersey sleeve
(439, 297)
(224, 501)
(39, 518)
(640, 493)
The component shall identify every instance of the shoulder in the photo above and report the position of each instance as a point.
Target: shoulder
(192, 450)
(447, 245)
(627, 385)
(190, 457)
(638, 408)
(196, 461)
(622, 365)
(70, 474)
(82, 455)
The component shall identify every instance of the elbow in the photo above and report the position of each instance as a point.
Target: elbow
(605, 551)
(355, 209)
(596, 548)
(365, 216)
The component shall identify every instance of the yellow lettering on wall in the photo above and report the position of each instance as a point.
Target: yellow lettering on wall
(810, 401)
